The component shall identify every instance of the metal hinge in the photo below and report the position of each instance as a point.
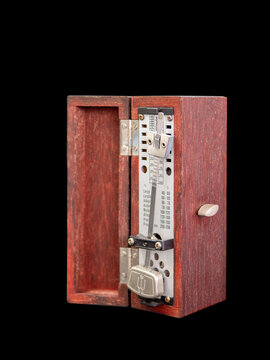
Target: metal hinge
(128, 257)
(129, 137)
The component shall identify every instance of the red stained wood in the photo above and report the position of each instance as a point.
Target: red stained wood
(200, 177)
(99, 195)
(98, 200)
(203, 176)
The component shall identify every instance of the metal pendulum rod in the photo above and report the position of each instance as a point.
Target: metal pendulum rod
(152, 208)
(154, 185)
(153, 197)
(147, 258)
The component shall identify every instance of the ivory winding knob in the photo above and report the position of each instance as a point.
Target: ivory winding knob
(208, 210)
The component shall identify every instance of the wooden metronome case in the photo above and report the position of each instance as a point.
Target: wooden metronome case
(103, 200)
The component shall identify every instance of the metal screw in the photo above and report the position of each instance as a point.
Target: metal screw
(130, 241)
(163, 145)
(158, 245)
(135, 126)
(123, 253)
(124, 126)
(169, 118)
(141, 116)
(167, 299)
(149, 141)
(134, 255)
(124, 275)
(145, 243)
(135, 148)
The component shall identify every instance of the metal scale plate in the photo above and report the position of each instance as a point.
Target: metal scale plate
(163, 228)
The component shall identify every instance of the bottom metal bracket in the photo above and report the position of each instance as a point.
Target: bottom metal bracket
(156, 302)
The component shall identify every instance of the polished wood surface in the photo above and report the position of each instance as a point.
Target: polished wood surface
(98, 200)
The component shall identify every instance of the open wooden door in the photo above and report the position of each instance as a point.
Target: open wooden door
(98, 200)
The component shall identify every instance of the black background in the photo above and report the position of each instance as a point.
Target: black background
(140, 64)
(159, 80)
(128, 48)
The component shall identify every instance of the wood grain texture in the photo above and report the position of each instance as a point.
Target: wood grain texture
(98, 200)
(200, 177)
(202, 181)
